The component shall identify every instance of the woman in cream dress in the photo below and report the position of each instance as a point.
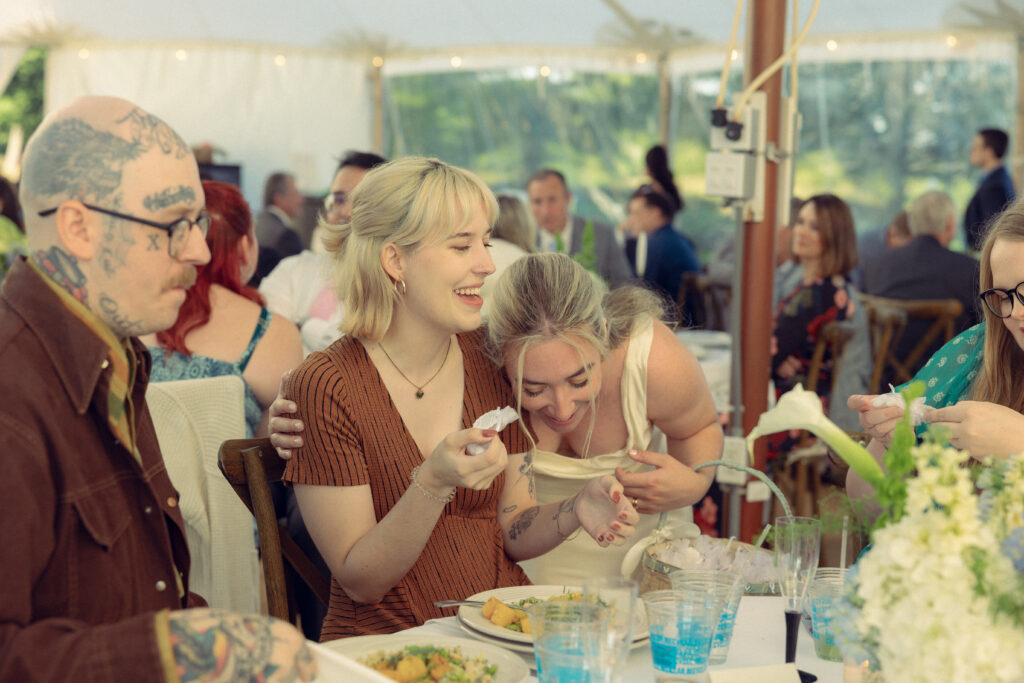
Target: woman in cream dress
(605, 388)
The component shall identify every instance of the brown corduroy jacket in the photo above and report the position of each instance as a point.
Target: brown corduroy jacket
(92, 545)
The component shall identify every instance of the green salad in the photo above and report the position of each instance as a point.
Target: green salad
(429, 664)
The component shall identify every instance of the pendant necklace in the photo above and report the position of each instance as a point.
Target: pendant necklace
(419, 387)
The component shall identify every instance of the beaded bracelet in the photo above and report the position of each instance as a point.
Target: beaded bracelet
(429, 494)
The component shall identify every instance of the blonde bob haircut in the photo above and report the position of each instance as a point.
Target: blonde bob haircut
(550, 296)
(1003, 361)
(411, 202)
(838, 237)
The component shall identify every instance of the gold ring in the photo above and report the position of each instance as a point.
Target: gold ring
(636, 503)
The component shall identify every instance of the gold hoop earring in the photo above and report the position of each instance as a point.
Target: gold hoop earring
(400, 287)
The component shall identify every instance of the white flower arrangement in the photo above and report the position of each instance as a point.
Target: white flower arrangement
(939, 595)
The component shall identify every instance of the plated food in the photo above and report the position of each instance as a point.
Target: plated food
(443, 658)
(430, 663)
(513, 616)
(473, 621)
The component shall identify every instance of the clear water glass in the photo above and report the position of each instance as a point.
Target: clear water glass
(619, 596)
(569, 641)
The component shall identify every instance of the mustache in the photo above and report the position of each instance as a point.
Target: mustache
(185, 280)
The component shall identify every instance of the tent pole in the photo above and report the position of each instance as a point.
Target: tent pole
(766, 30)
(1018, 138)
(378, 109)
(664, 99)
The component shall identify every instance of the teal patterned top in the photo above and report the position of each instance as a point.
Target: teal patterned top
(168, 367)
(949, 374)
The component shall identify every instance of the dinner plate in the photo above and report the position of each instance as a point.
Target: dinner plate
(474, 619)
(511, 668)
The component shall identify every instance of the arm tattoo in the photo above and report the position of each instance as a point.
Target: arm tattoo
(169, 197)
(566, 506)
(122, 325)
(148, 131)
(227, 646)
(510, 508)
(523, 522)
(526, 470)
(63, 269)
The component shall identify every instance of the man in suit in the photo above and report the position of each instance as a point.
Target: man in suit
(591, 243)
(275, 227)
(926, 269)
(995, 189)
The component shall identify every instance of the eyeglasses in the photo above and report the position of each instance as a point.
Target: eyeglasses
(1000, 301)
(178, 230)
(335, 200)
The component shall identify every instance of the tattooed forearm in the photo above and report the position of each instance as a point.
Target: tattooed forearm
(169, 197)
(215, 645)
(63, 269)
(566, 506)
(147, 131)
(526, 470)
(523, 522)
(122, 325)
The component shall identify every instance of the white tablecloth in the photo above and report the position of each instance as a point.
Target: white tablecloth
(759, 639)
(713, 353)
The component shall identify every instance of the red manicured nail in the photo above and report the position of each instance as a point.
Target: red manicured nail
(622, 516)
(489, 433)
(616, 526)
(616, 497)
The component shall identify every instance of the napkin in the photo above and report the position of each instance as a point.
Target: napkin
(496, 419)
(917, 406)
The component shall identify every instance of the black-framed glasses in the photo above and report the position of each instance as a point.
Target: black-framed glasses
(178, 230)
(1000, 301)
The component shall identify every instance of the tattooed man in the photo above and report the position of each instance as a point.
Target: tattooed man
(93, 561)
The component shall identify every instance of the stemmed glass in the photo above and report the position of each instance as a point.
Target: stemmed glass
(797, 546)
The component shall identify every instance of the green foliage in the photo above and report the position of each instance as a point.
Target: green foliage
(899, 463)
(22, 102)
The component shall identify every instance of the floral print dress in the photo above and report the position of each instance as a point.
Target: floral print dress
(798, 321)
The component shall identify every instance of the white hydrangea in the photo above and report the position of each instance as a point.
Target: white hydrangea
(920, 602)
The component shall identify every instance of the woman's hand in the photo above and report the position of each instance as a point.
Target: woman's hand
(787, 368)
(670, 485)
(981, 428)
(605, 513)
(284, 430)
(450, 466)
(878, 422)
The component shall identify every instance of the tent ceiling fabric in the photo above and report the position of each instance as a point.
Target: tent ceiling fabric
(427, 24)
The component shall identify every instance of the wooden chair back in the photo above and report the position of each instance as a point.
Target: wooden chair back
(702, 303)
(887, 320)
(251, 466)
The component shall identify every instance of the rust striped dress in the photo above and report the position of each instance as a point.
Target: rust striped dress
(355, 436)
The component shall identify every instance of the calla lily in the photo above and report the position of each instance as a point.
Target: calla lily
(800, 409)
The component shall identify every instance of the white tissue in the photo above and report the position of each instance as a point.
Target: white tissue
(496, 419)
(917, 406)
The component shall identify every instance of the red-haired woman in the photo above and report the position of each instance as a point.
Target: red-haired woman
(223, 327)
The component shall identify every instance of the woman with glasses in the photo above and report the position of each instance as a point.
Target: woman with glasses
(974, 385)
(223, 327)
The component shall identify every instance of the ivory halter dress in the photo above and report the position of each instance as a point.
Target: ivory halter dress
(559, 477)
